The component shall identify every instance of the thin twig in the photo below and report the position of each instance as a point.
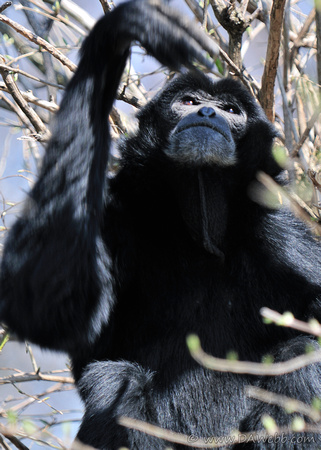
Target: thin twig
(16, 442)
(58, 387)
(208, 442)
(5, 6)
(33, 376)
(288, 320)
(56, 19)
(39, 41)
(205, 14)
(35, 397)
(12, 433)
(106, 6)
(243, 7)
(10, 436)
(169, 435)
(196, 9)
(3, 444)
(248, 367)
(289, 404)
(32, 77)
(17, 111)
(35, 366)
(301, 35)
(22, 103)
(29, 97)
(302, 211)
(306, 132)
(73, 10)
(244, 76)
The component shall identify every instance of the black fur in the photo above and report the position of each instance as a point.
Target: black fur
(118, 275)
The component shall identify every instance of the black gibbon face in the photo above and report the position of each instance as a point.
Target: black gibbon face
(207, 129)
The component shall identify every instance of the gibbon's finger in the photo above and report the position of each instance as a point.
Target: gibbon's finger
(193, 31)
(162, 35)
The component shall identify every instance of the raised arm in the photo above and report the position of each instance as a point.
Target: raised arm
(56, 286)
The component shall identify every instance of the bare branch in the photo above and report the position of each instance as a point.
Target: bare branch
(302, 211)
(244, 76)
(206, 442)
(26, 74)
(306, 132)
(29, 97)
(4, 445)
(57, 18)
(232, 18)
(198, 13)
(39, 41)
(15, 441)
(5, 6)
(318, 35)
(75, 11)
(106, 6)
(288, 320)
(11, 433)
(301, 35)
(248, 367)
(22, 103)
(34, 55)
(32, 376)
(289, 404)
(17, 111)
(58, 387)
(272, 58)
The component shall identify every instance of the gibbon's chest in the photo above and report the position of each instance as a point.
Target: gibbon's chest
(169, 295)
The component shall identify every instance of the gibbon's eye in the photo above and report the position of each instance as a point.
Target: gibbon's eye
(189, 101)
(231, 109)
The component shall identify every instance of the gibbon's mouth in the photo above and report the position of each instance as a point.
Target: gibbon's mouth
(203, 124)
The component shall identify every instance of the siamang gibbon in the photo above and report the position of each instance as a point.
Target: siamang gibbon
(118, 272)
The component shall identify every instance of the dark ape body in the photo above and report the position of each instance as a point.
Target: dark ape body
(118, 273)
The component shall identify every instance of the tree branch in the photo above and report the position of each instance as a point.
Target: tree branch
(33, 376)
(272, 58)
(39, 41)
(248, 367)
(22, 103)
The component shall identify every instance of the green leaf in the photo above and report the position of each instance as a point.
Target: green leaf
(232, 356)
(280, 155)
(316, 403)
(193, 343)
(269, 424)
(298, 424)
(219, 66)
(29, 427)
(268, 359)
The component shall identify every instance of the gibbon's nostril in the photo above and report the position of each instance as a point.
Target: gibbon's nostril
(206, 112)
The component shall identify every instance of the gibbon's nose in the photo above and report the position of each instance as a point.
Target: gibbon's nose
(206, 111)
